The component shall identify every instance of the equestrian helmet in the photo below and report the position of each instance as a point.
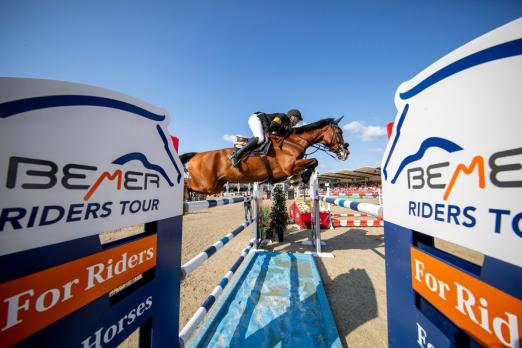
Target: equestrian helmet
(296, 113)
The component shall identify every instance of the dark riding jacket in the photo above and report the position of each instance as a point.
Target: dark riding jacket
(274, 122)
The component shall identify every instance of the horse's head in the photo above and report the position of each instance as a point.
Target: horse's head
(333, 139)
(327, 133)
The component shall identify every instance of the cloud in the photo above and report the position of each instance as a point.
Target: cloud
(231, 137)
(366, 133)
(354, 127)
(376, 149)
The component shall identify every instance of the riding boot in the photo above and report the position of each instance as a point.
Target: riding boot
(236, 156)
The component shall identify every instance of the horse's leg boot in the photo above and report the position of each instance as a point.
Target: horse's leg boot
(236, 157)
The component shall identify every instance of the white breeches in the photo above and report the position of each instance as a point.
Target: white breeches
(257, 128)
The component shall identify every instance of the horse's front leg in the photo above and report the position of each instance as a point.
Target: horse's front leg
(306, 166)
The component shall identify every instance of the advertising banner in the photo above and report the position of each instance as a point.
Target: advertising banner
(457, 175)
(490, 315)
(35, 301)
(77, 160)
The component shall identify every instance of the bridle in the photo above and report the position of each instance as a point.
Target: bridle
(334, 152)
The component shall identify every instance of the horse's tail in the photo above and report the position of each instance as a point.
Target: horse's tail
(187, 156)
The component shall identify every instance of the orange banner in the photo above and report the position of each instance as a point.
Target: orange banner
(33, 302)
(491, 316)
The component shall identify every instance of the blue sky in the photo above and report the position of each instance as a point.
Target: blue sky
(212, 63)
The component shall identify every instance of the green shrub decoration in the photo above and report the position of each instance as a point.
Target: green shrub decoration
(278, 214)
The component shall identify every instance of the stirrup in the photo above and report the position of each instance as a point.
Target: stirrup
(235, 161)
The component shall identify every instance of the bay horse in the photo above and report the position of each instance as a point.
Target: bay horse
(210, 170)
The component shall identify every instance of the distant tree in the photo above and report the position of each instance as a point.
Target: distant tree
(278, 215)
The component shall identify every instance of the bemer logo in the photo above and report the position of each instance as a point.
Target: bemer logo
(39, 174)
(73, 176)
(432, 175)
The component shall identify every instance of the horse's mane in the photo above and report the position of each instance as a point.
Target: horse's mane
(313, 126)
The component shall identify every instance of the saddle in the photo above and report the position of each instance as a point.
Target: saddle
(261, 149)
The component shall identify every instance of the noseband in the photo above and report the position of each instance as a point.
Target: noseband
(336, 140)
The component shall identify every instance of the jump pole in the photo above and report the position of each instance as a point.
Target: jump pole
(257, 199)
(315, 228)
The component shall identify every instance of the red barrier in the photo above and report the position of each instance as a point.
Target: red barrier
(357, 223)
(304, 219)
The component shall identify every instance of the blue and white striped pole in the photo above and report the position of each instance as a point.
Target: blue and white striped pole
(372, 209)
(199, 259)
(198, 317)
(189, 207)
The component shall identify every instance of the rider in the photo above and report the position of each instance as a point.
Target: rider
(261, 123)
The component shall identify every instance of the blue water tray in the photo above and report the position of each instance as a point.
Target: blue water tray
(278, 300)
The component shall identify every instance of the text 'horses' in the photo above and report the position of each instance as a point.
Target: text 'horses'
(210, 170)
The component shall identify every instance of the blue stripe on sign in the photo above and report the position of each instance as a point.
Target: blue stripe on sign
(436, 142)
(236, 264)
(24, 105)
(395, 140)
(166, 146)
(138, 156)
(504, 50)
(210, 250)
(354, 206)
(209, 302)
(223, 282)
(212, 203)
(225, 240)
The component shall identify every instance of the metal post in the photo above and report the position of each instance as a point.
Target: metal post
(315, 233)
(256, 205)
(316, 220)
(328, 192)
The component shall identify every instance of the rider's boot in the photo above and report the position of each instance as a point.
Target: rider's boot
(235, 157)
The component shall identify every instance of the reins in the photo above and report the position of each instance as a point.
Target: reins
(320, 147)
(317, 147)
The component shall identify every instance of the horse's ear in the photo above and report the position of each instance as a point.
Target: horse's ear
(339, 119)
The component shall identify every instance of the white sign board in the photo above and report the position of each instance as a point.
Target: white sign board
(453, 166)
(78, 160)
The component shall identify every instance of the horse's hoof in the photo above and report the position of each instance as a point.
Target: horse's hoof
(294, 181)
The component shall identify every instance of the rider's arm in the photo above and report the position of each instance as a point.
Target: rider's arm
(278, 122)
